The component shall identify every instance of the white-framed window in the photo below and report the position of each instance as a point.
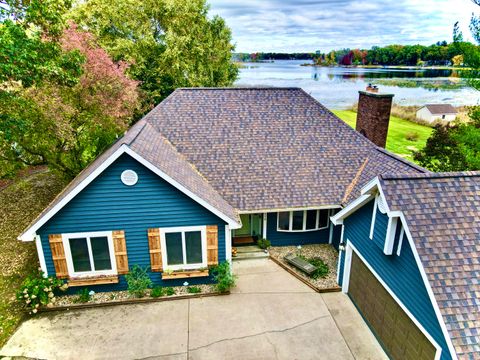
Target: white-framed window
(90, 254)
(184, 248)
(303, 220)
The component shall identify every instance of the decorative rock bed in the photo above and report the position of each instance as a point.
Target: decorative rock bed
(323, 251)
(67, 302)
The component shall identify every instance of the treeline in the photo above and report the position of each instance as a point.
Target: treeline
(440, 53)
(74, 77)
(261, 56)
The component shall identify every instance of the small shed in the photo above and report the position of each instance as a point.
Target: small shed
(433, 112)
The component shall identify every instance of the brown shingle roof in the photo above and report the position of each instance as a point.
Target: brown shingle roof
(247, 149)
(439, 109)
(270, 148)
(443, 215)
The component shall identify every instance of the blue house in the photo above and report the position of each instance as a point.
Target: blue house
(411, 263)
(205, 170)
(209, 169)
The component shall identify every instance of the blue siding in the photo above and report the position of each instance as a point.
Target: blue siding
(279, 238)
(336, 236)
(400, 273)
(380, 229)
(107, 204)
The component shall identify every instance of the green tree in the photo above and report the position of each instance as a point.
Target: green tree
(65, 126)
(29, 50)
(170, 43)
(457, 147)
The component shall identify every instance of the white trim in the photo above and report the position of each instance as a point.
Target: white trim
(374, 217)
(337, 219)
(233, 224)
(182, 230)
(368, 190)
(371, 187)
(87, 236)
(29, 234)
(400, 242)
(426, 282)
(228, 244)
(264, 222)
(347, 270)
(340, 255)
(304, 221)
(41, 256)
(330, 234)
(390, 236)
(275, 210)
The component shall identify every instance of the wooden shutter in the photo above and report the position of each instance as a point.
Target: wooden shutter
(58, 256)
(212, 245)
(155, 249)
(120, 247)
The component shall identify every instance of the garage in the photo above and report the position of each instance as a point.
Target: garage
(397, 333)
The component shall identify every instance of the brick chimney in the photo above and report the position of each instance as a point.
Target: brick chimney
(373, 115)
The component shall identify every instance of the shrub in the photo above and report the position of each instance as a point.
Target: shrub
(263, 243)
(170, 291)
(157, 291)
(138, 281)
(223, 276)
(194, 290)
(412, 136)
(83, 296)
(322, 268)
(38, 290)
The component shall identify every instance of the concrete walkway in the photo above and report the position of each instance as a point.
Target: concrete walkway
(269, 315)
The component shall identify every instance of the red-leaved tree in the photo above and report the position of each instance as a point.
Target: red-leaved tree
(66, 127)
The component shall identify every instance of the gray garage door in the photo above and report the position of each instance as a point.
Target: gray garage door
(397, 333)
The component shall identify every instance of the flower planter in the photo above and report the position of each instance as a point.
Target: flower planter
(93, 281)
(185, 274)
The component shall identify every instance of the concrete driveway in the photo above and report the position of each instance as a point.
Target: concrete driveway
(269, 315)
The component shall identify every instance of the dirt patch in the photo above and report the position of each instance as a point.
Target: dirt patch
(20, 203)
(323, 251)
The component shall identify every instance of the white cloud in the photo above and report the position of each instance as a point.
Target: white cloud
(308, 25)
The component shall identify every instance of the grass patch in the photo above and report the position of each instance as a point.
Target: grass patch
(21, 202)
(404, 137)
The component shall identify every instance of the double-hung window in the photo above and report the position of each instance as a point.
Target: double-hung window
(303, 220)
(90, 254)
(184, 248)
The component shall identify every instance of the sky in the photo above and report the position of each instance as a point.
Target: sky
(310, 25)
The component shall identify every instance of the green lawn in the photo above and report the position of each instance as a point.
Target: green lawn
(398, 130)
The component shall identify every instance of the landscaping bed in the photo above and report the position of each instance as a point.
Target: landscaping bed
(66, 302)
(324, 252)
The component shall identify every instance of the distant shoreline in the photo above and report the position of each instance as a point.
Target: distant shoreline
(403, 67)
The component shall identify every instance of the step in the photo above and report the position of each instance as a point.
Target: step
(251, 255)
(248, 249)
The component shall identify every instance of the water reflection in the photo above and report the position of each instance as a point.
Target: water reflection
(337, 87)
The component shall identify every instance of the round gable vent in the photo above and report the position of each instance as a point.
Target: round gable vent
(129, 177)
(381, 205)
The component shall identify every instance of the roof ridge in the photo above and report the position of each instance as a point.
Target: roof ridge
(399, 158)
(430, 175)
(354, 181)
(240, 88)
(185, 160)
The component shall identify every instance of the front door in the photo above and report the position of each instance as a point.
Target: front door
(246, 229)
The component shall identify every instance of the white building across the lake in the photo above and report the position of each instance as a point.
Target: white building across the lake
(433, 112)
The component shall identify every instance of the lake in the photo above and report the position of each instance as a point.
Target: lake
(337, 87)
